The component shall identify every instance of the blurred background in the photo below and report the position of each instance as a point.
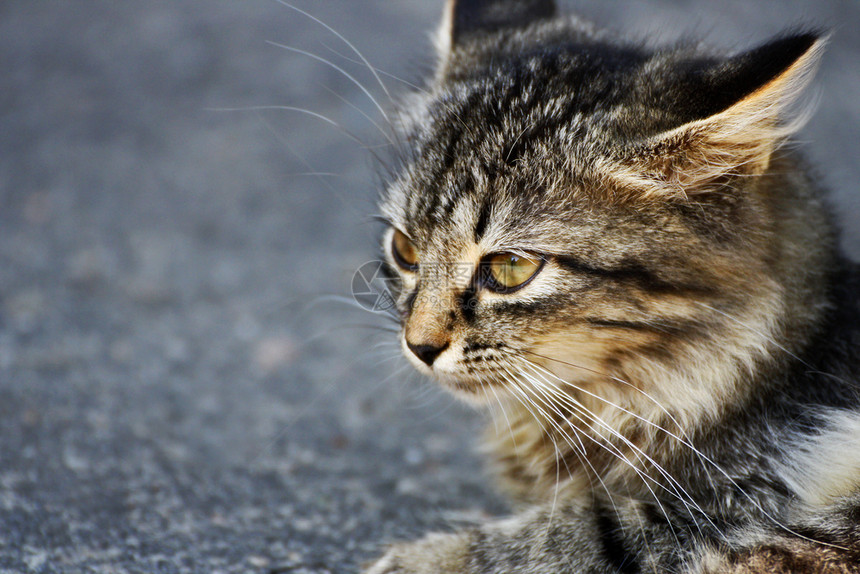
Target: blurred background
(184, 384)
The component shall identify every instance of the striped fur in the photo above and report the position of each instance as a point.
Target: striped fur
(673, 382)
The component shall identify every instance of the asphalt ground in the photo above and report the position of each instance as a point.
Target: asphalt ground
(185, 385)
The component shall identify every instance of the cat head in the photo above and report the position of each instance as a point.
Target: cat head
(578, 209)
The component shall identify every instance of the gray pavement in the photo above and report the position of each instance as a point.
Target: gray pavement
(183, 386)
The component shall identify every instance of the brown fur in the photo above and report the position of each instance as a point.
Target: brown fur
(670, 359)
(786, 557)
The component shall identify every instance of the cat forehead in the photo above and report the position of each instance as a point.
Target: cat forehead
(487, 159)
(530, 95)
(502, 128)
(554, 72)
(448, 218)
(532, 127)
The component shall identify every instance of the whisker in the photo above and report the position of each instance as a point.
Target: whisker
(342, 39)
(613, 450)
(388, 314)
(346, 74)
(304, 111)
(572, 402)
(711, 462)
(491, 406)
(317, 174)
(505, 414)
(268, 125)
(581, 452)
(506, 375)
(516, 141)
(675, 487)
(368, 326)
(617, 380)
(366, 116)
(672, 481)
(381, 72)
(756, 331)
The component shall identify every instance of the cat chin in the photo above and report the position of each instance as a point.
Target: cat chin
(466, 388)
(463, 385)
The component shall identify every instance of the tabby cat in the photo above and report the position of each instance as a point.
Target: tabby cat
(614, 247)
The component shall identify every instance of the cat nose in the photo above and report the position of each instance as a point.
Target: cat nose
(427, 353)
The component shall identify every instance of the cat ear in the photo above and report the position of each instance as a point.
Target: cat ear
(464, 18)
(738, 112)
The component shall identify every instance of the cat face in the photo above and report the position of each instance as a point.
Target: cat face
(505, 274)
(573, 208)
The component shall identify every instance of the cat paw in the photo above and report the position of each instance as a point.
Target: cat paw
(434, 554)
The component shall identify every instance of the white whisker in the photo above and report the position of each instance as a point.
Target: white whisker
(346, 74)
(406, 83)
(609, 447)
(758, 332)
(504, 413)
(342, 39)
(298, 110)
(674, 488)
(703, 457)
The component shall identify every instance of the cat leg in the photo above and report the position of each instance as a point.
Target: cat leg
(779, 556)
(577, 538)
(433, 554)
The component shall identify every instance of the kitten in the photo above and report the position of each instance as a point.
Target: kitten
(614, 246)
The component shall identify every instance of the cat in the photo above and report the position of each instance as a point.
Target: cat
(615, 249)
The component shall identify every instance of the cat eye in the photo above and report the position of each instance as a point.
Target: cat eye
(404, 252)
(507, 272)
